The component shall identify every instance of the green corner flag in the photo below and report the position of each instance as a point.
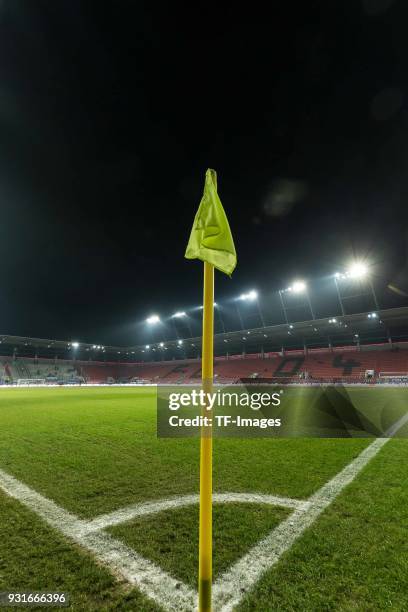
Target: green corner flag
(211, 238)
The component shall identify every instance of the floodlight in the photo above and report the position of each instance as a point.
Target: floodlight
(161, 344)
(179, 342)
(147, 346)
(357, 270)
(251, 296)
(179, 314)
(153, 319)
(75, 344)
(298, 287)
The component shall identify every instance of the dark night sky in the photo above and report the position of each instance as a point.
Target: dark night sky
(110, 113)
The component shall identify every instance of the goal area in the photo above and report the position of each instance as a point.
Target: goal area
(28, 382)
(393, 377)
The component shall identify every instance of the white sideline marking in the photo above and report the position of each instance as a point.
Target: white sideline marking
(171, 594)
(153, 507)
(55, 516)
(232, 586)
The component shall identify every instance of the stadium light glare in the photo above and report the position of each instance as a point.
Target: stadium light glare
(147, 346)
(75, 345)
(179, 342)
(250, 296)
(357, 270)
(298, 286)
(180, 314)
(161, 344)
(153, 319)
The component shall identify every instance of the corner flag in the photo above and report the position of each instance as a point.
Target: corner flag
(211, 241)
(210, 238)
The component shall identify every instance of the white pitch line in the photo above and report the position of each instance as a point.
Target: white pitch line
(123, 515)
(171, 594)
(232, 586)
(55, 516)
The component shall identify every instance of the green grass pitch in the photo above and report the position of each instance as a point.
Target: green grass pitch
(95, 450)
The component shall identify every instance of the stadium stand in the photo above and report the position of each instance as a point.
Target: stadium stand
(51, 371)
(365, 364)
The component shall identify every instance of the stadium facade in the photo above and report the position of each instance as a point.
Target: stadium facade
(368, 346)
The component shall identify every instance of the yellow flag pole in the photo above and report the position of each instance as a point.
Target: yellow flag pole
(205, 541)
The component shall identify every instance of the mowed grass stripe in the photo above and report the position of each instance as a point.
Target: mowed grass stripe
(263, 462)
(95, 450)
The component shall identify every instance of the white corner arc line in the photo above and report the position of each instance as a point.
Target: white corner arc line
(133, 511)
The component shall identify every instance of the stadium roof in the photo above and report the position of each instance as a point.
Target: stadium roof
(365, 328)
